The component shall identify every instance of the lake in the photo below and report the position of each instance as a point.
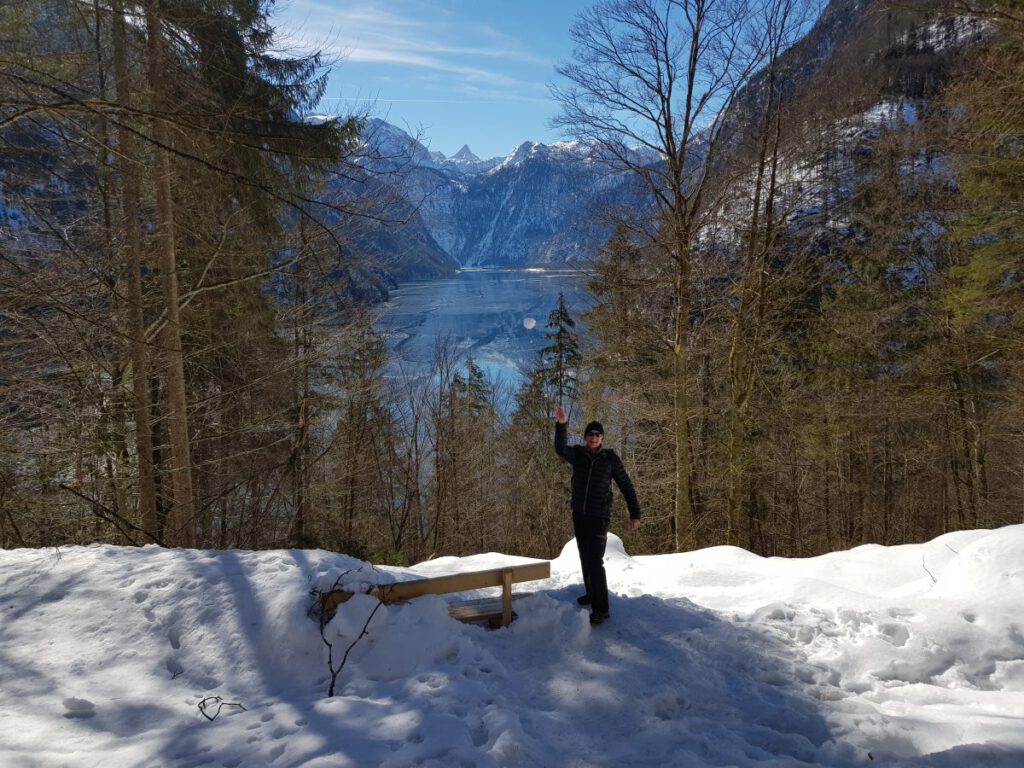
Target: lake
(499, 317)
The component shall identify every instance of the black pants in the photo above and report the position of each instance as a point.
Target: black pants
(591, 538)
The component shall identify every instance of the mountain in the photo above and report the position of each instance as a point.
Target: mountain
(541, 205)
(465, 154)
(863, 67)
(872, 50)
(545, 204)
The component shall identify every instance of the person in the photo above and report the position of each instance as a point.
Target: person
(593, 469)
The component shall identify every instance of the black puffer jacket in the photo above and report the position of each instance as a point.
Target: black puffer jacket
(592, 474)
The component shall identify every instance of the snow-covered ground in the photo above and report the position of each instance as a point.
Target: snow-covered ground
(899, 656)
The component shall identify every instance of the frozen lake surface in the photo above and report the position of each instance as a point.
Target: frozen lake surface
(499, 317)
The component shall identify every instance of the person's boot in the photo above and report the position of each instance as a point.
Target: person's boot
(598, 617)
(583, 599)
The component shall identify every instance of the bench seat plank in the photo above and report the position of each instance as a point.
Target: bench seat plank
(498, 610)
(461, 582)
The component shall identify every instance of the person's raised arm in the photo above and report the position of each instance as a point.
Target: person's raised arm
(561, 433)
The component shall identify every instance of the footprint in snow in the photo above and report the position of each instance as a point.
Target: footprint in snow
(79, 708)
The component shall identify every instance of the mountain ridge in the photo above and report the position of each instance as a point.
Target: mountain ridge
(540, 205)
(543, 204)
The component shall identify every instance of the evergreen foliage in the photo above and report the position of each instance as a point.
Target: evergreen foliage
(560, 359)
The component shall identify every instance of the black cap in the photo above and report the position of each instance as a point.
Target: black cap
(594, 426)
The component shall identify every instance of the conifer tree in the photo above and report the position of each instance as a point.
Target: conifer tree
(629, 378)
(979, 296)
(560, 359)
(465, 457)
(222, 125)
(240, 154)
(533, 481)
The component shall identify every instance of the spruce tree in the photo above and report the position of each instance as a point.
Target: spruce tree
(196, 158)
(560, 359)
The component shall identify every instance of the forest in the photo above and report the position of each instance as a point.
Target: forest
(808, 340)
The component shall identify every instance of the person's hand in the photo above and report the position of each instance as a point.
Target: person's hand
(560, 416)
(634, 523)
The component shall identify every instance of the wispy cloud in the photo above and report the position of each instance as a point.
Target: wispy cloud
(410, 34)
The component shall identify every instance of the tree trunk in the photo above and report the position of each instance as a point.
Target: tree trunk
(181, 517)
(745, 352)
(130, 194)
(684, 529)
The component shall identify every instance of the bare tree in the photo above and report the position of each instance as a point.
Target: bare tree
(646, 85)
(756, 219)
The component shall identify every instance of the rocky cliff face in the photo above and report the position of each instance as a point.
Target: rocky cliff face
(884, 50)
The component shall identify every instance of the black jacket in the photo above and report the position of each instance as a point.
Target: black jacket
(592, 474)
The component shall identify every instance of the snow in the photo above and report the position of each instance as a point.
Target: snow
(891, 656)
(949, 34)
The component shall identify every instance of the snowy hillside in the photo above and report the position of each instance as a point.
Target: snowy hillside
(901, 656)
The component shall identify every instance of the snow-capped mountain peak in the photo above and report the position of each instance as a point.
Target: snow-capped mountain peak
(465, 154)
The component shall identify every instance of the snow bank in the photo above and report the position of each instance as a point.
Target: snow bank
(895, 656)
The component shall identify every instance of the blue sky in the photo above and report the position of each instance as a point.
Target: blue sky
(458, 71)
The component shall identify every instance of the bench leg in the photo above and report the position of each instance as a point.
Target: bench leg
(506, 598)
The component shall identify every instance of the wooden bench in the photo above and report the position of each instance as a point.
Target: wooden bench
(497, 611)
